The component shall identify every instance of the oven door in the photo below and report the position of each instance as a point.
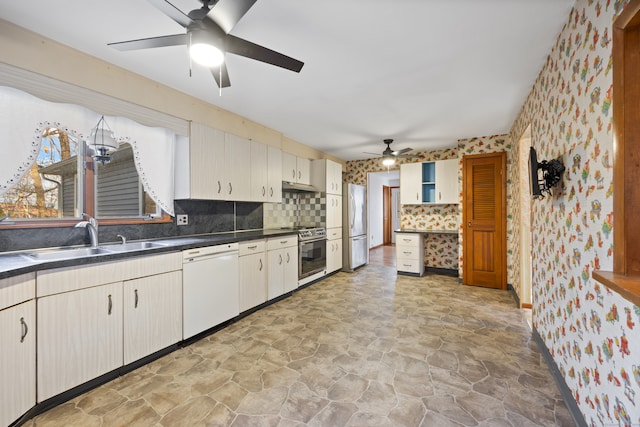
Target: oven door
(313, 257)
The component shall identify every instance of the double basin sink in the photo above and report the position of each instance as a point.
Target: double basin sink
(70, 253)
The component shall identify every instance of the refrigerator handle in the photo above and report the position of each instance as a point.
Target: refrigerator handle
(352, 220)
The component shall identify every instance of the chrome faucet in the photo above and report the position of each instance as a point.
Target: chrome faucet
(92, 226)
(122, 238)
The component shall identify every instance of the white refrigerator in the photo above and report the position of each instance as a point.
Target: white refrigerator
(354, 226)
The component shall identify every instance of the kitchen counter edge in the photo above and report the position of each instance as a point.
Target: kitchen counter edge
(16, 263)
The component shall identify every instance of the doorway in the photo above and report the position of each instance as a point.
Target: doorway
(377, 210)
(525, 220)
(391, 217)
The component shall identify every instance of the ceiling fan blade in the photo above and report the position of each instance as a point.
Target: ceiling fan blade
(404, 150)
(373, 154)
(215, 71)
(227, 13)
(161, 41)
(251, 50)
(172, 12)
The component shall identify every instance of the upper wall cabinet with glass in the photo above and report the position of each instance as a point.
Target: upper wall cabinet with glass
(50, 172)
(429, 183)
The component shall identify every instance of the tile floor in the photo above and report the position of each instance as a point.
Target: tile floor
(362, 349)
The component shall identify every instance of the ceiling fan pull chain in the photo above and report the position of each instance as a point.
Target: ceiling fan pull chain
(220, 85)
(190, 60)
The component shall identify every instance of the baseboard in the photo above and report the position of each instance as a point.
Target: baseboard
(443, 271)
(567, 396)
(514, 294)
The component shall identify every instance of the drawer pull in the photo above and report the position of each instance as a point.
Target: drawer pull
(109, 306)
(135, 302)
(25, 329)
(252, 247)
(283, 242)
(407, 240)
(407, 252)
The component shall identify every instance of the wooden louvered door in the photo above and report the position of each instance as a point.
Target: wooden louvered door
(484, 216)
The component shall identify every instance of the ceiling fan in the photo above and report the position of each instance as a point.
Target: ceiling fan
(389, 156)
(208, 38)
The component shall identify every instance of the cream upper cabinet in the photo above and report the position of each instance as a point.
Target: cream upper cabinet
(152, 314)
(259, 172)
(447, 190)
(334, 211)
(274, 174)
(18, 367)
(410, 183)
(237, 157)
(207, 163)
(296, 169)
(326, 175)
(79, 337)
(429, 182)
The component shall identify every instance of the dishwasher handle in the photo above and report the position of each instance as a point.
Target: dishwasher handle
(209, 252)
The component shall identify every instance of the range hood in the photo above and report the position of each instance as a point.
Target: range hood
(294, 187)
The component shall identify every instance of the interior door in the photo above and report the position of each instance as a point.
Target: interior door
(386, 215)
(484, 216)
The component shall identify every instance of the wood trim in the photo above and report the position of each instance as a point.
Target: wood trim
(625, 278)
(526, 305)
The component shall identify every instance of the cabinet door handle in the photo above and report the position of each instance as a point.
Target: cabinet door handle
(219, 187)
(280, 263)
(271, 192)
(230, 188)
(293, 173)
(260, 264)
(439, 195)
(135, 299)
(109, 306)
(299, 174)
(288, 258)
(417, 198)
(264, 191)
(25, 329)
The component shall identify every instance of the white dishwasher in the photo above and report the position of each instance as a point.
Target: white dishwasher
(210, 287)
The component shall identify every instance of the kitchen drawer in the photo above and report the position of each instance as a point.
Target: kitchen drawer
(282, 242)
(410, 266)
(406, 239)
(17, 289)
(407, 253)
(251, 247)
(334, 233)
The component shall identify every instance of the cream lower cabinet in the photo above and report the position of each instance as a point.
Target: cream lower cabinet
(334, 249)
(282, 261)
(79, 337)
(17, 361)
(410, 253)
(81, 319)
(253, 273)
(151, 307)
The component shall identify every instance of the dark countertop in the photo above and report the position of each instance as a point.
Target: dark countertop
(409, 230)
(15, 263)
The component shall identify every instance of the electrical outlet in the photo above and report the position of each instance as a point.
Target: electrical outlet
(182, 219)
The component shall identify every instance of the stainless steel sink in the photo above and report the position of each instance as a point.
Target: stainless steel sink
(67, 253)
(132, 246)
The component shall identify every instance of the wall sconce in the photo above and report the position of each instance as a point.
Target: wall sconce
(102, 142)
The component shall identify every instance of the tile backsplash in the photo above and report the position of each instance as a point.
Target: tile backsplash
(296, 210)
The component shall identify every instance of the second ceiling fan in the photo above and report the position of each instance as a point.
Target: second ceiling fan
(208, 38)
(389, 156)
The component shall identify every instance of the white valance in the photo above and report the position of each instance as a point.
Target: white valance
(23, 119)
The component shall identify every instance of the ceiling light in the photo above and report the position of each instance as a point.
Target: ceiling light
(102, 141)
(388, 161)
(203, 49)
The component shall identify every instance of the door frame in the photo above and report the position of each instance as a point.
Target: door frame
(503, 220)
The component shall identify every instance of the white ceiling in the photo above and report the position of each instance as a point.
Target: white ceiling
(423, 72)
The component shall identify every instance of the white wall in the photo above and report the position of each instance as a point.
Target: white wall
(376, 181)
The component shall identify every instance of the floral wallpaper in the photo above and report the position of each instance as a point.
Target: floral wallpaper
(590, 331)
(441, 250)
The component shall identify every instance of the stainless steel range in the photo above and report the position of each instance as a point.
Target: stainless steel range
(312, 253)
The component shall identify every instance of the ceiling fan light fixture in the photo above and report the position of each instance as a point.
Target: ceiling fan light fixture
(206, 54)
(204, 51)
(388, 161)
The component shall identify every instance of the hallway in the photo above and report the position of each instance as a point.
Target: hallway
(363, 349)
